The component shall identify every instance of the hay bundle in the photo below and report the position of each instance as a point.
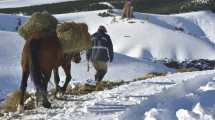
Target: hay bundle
(41, 23)
(74, 37)
(12, 100)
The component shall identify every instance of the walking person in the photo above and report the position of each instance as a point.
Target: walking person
(100, 54)
(127, 11)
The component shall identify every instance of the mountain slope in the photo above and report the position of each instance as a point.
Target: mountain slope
(148, 36)
(156, 36)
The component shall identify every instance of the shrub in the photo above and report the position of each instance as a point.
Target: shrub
(12, 100)
(185, 70)
(151, 75)
(104, 14)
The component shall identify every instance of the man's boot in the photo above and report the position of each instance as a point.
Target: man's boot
(99, 86)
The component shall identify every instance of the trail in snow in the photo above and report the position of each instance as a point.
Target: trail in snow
(163, 92)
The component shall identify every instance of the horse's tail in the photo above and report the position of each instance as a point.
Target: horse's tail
(35, 72)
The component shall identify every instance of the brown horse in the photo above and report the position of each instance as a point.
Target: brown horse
(40, 56)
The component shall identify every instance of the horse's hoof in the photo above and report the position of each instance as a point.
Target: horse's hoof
(47, 104)
(63, 90)
(20, 108)
(59, 95)
(60, 91)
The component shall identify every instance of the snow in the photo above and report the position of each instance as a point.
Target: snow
(9, 22)
(197, 113)
(106, 3)
(179, 99)
(207, 25)
(171, 97)
(136, 42)
(25, 3)
(10, 62)
(200, 1)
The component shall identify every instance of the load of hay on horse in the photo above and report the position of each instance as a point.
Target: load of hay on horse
(73, 36)
(44, 52)
(39, 23)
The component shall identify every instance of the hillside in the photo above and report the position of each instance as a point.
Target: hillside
(148, 36)
(137, 43)
(66, 6)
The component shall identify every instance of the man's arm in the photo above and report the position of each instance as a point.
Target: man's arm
(110, 48)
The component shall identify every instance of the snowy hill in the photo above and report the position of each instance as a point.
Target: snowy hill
(206, 25)
(182, 96)
(150, 36)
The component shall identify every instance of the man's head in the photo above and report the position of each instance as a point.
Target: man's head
(102, 29)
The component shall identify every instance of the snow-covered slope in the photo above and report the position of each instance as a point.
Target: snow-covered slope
(178, 37)
(10, 72)
(146, 37)
(178, 96)
(204, 20)
(150, 35)
(24, 3)
(9, 22)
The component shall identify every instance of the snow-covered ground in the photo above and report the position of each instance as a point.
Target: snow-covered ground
(190, 100)
(25, 3)
(183, 96)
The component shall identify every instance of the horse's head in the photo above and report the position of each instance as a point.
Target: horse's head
(76, 57)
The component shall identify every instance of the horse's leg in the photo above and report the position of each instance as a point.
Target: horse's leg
(67, 69)
(46, 78)
(42, 93)
(23, 86)
(56, 80)
(36, 74)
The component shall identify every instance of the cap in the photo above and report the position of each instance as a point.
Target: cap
(102, 29)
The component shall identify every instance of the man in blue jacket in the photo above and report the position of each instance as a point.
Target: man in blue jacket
(100, 54)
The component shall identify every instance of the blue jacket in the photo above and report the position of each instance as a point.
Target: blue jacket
(102, 48)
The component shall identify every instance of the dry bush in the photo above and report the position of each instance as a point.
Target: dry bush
(12, 100)
(82, 89)
(151, 75)
(185, 70)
